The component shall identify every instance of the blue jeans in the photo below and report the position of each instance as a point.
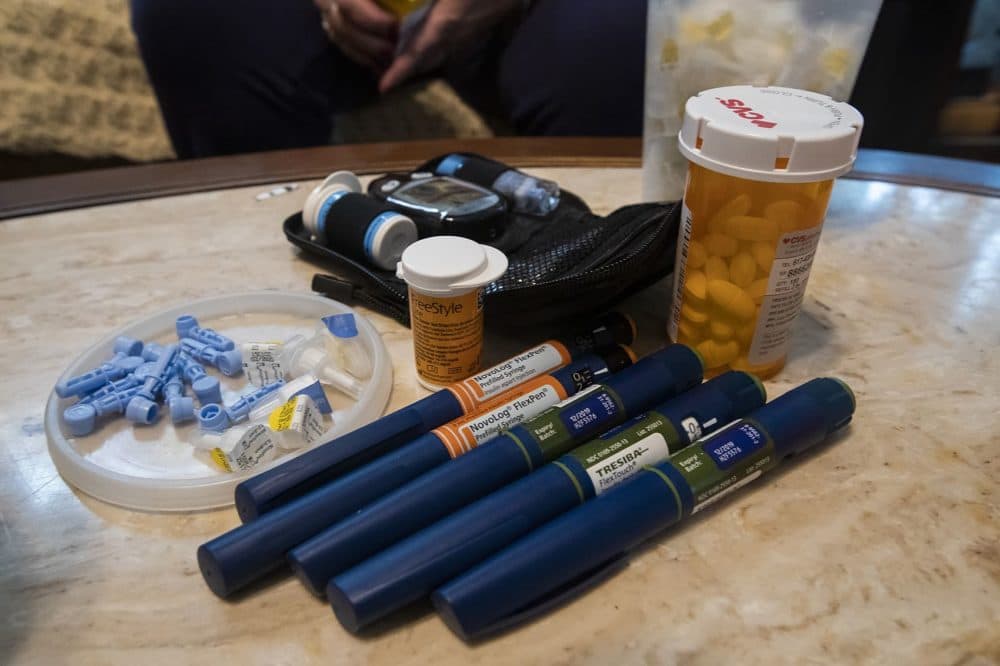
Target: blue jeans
(236, 76)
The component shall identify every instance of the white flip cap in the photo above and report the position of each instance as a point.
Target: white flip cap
(447, 265)
(338, 181)
(770, 133)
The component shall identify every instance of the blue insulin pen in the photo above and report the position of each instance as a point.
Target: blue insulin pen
(513, 454)
(303, 473)
(567, 555)
(414, 567)
(240, 556)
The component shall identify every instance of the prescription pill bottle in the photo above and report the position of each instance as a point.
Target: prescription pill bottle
(446, 276)
(762, 161)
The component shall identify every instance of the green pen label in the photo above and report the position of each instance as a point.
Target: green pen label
(618, 455)
(726, 462)
(586, 414)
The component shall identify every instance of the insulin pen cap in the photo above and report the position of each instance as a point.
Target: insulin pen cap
(808, 414)
(618, 357)
(450, 265)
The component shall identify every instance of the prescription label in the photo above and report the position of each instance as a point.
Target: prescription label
(261, 362)
(504, 376)
(561, 427)
(680, 264)
(786, 287)
(618, 455)
(447, 335)
(725, 462)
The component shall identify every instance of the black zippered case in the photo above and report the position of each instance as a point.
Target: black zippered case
(568, 265)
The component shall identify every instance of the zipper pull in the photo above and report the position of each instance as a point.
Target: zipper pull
(345, 291)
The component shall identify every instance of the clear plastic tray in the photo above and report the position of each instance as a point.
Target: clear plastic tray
(155, 467)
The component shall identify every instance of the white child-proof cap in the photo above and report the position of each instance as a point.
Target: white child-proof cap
(448, 265)
(770, 133)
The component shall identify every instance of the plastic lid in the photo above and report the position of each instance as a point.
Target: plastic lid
(158, 467)
(388, 235)
(771, 133)
(338, 181)
(341, 325)
(446, 265)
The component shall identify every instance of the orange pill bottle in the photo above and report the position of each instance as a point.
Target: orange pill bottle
(762, 162)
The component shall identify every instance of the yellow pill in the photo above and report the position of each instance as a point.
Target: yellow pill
(763, 254)
(730, 300)
(787, 214)
(693, 315)
(721, 330)
(718, 245)
(717, 353)
(746, 227)
(696, 255)
(716, 268)
(758, 290)
(694, 287)
(745, 333)
(742, 269)
(739, 205)
(688, 332)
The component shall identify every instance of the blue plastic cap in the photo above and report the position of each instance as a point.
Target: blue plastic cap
(80, 419)
(142, 410)
(230, 362)
(342, 325)
(449, 165)
(185, 324)
(152, 351)
(144, 370)
(129, 363)
(207, 389)
(181, 409)
(213, 417)
(128, 346)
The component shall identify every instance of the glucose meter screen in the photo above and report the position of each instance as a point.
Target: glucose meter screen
(440, 193)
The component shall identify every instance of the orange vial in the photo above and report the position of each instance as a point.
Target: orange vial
(762, 166)
(446, 276)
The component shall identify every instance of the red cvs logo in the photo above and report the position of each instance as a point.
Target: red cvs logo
(740, 108)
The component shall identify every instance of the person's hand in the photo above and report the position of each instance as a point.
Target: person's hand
(450, 25)
(365, 32)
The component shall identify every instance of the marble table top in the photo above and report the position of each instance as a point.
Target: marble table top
(881, 548)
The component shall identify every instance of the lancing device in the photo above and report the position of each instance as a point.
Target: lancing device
(303, 473)
(569, 554)
(339, 216)
(242, 555)
(513, 454)
(413, 568)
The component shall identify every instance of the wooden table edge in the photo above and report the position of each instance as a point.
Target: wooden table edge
(33, 196)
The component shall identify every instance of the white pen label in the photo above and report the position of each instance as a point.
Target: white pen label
(531, 399)
(620, 453)
(505, 376)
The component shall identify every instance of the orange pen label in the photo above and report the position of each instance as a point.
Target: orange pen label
(447, 334)
(526, 401)
(502, 377)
